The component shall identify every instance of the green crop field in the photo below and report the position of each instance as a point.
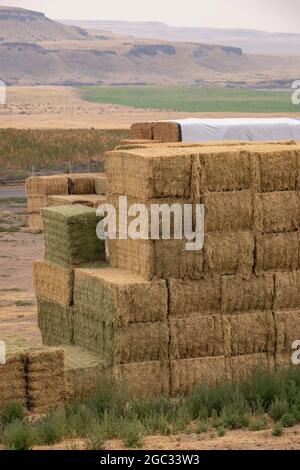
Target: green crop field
(194, 99)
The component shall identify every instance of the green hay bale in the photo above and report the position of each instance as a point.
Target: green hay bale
(70, 235)
(55, 322)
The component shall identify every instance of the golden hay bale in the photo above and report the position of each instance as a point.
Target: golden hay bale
(142, 130)
(288, 330)
(55, 322)
(84, 371)
(52, 282)
(278, 170)
(12, 380)
(100, 183)
(186, 373)
(196, 336)
(119, 297)
(241, 367)
(242, 295)
(287, 290)
(277, 252)
(230, 253)
(167, 131)
(277, 211)
(188, 297)
(143, 378)
(47, 185)
(36, 203)
(249, 333)
(229, 211)
(81, 183)
(35, 222)
(89, 200)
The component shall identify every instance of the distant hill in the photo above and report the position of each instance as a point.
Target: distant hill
(34, 50)
(17, 24)
(251, 41)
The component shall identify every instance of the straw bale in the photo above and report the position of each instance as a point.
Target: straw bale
(189, 297)
(36, 203)
(89, 200)
(81, 183)
(12, 380)
(287, 290)
(230, 253)
(70, 235)
(277, 252)
(142, 130)
(143, 378)
(229, 211)
(231, 170)
(240, 367)
(250, 333)
(84, 371)
(287, 329)
(278, 170)
(55, 322)
(100, 184)
(137, 141)
(195, 336)
(52, 282)
(47, 185)
(186, 373)
(119, 297)
(167, 131)
(35, 222)
(278, 211)
(89, 332)
(243, 295)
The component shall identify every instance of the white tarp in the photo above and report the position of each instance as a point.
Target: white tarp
(249, 129)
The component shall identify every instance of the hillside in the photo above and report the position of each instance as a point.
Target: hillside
(251, 41)
(35, 50)
(18, 24)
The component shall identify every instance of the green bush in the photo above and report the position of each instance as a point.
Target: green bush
(51, 429)
(11, 412)
(278, 408)
(277, 430)
(288, 420)
(131, 433)
(17, 436)
(258, 424)
(96, 439)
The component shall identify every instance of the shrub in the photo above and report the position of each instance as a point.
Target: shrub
(202, 427)
(96, 439)
(131, 433)
(258, 424)
(221, 431)
(277, 430)
(10, 412)
(51, 429)
(278, 408)
(17, 436)
(288, 420)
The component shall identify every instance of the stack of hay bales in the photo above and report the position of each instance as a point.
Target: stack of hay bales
(235, 303)
(70, 241)
(41, 189)
(12, 380)
(160, 131)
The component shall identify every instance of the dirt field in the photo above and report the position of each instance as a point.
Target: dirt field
(62, 107)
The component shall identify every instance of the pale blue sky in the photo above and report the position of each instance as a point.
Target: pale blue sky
(271, 15)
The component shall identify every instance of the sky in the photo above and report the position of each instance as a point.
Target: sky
(268, 15)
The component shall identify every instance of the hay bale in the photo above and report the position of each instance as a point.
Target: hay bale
(46, 386)
(142, 130)
(52, 282)
(100, 184)
(187, 297)
(195, 336)
(12, 379)
(277, 252)
(287, 290)
(244, 295)
(55, 322)
(36, 203)
(47, 185)
(241, 367)
(143, 378)
(277, 211)
(278, 170)
(119, 297)
(229, 211)
(35, 222)
(84, 371)
(288, 330)
(81, 183)
(70, 235)
(167, 132)
(186, 373)
(250, 333)
(229, 253)
(89, 200)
